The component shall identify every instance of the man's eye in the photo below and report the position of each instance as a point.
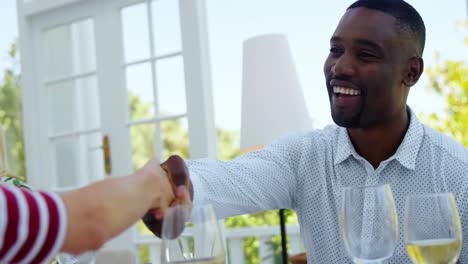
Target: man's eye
(367, 55)
(335, 51)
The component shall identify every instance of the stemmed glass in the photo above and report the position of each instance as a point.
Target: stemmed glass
(369, 223)
(433, 231)
(200, 242)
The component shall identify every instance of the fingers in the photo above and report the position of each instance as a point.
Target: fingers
(159, 213)
(178, 176)
(183, 195)
(180, 192)
(153, 224)
(182, 198)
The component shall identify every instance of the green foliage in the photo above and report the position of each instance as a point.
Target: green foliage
(449, 79)
(175, 138)
(269, 218)
(11, 116)
(142, 136)
(228, 144)
(144, 254)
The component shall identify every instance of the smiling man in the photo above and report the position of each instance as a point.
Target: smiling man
(375, 58)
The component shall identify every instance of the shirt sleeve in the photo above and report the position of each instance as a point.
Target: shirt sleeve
(256, 181)
(32, 225)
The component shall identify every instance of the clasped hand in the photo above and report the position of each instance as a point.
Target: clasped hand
(176, 189)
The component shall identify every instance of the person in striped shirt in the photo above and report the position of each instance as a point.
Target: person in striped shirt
(35, 225)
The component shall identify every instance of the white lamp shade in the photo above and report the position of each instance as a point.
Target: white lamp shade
(272, 99)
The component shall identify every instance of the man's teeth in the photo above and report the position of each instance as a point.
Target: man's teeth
(344, 90)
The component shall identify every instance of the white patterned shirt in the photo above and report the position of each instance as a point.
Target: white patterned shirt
(306, 172)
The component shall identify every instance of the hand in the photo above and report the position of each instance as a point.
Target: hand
(157, 184)
(178, 176)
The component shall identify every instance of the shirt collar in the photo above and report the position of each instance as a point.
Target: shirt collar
(406, 153)
(344, 147)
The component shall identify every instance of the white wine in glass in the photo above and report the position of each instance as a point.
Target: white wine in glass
(369, 223)
(200, 242)
(433, 231)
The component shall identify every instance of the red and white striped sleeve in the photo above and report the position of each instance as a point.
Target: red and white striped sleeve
(32, 225)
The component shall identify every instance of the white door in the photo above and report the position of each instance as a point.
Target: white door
(104, 82)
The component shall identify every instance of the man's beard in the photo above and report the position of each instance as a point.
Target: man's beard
(347, 122)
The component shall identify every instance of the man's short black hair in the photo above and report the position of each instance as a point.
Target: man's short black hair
(407, 18)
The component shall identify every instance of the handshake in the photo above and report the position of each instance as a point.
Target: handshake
(178, 177)
(91, 215)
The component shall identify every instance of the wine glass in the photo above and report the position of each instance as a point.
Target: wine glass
(369, 223)
(200, 242)
(433, 231)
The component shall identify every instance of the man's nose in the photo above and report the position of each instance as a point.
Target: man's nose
(343, 66)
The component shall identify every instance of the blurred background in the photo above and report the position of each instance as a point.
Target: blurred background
(179, 64)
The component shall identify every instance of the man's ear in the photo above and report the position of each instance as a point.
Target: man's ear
(414, 70)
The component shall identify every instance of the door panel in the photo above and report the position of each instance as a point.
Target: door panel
(70, 49)
(74, 106)
(72, 100)
(76, 160)
(120, 70)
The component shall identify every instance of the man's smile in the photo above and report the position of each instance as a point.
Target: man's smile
(344, 96)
